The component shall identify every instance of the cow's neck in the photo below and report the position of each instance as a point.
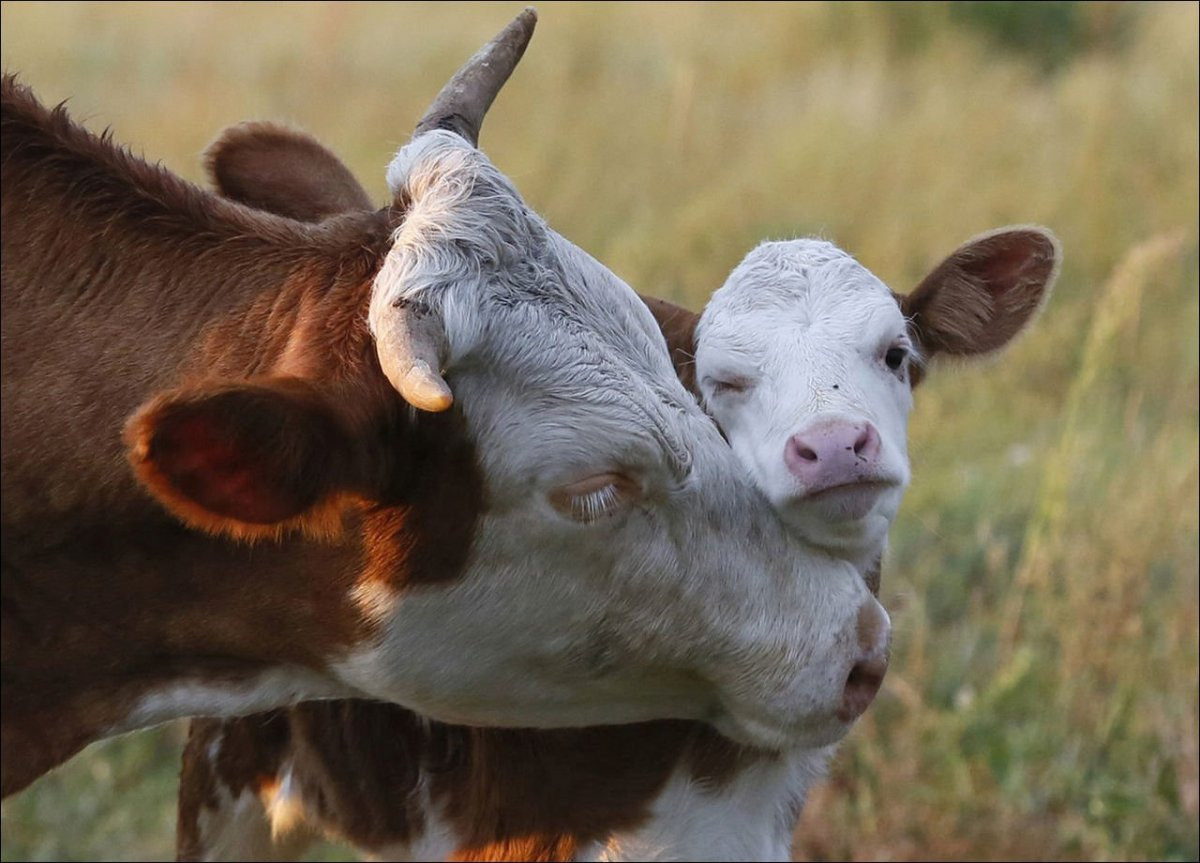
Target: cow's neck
(126, 628)
(113, 615)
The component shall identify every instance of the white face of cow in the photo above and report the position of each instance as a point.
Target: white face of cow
(625, 568)
(803, 359)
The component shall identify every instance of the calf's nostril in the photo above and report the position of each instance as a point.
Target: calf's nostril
(831, 453)
(801, 450)
(866, 445)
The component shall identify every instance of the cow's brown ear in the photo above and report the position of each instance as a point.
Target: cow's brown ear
(980, 297)
(248, 459)
(282, 171)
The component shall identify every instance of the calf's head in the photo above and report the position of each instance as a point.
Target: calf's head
(590, 549)
(808, 361)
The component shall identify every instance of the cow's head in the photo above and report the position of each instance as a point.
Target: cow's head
(808, 361)
(590, 549)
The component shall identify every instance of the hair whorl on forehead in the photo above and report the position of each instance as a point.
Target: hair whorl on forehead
(465, 225)
(464, 219)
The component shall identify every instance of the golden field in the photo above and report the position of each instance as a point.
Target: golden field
(1042, 580)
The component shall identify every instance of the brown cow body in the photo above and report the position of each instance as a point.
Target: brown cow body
(79, 650)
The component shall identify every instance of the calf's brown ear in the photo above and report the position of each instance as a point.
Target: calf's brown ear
(985, 293)
(247, 459)
(678, 327)
(282, 171)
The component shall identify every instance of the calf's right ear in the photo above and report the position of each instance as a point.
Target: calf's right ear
(250, 459)
(984, 293)
(678, 327)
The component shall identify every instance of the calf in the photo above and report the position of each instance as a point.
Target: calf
(808, 362)
(566, 540)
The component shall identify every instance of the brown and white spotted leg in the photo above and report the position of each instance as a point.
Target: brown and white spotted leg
(236, 800)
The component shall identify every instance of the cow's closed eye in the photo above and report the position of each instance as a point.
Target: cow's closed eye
(595, 497)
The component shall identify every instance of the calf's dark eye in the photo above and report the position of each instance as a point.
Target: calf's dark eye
(894, 358)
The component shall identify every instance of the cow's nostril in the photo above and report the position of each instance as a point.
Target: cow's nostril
(806, 453)
(862, 684)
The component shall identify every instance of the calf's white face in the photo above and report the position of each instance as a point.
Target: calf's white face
(807, 362)
(802, 357)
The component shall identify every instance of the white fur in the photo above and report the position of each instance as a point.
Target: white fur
(284, 804)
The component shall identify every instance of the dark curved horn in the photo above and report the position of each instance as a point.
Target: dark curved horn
(465, 99)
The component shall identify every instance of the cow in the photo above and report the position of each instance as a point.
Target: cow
(807, 362)
(432, 455)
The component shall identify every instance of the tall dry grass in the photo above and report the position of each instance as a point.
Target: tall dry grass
(1042, 701)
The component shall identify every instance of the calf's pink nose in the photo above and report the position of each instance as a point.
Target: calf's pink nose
(831, 453)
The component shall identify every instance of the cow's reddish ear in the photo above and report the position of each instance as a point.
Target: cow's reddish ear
(985, 293)
(248, 459)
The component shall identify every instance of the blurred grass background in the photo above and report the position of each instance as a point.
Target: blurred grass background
(1042, 702)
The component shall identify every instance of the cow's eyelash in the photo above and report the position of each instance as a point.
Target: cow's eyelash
(595, 497)
(594, 505)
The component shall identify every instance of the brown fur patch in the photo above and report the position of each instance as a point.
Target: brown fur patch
(510, 794)
(249, 754)
(874, 574)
